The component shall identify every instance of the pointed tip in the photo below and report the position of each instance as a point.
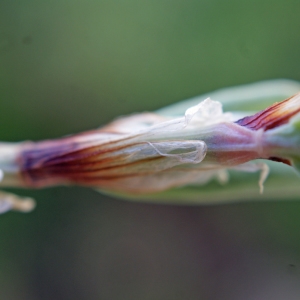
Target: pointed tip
(274, 116)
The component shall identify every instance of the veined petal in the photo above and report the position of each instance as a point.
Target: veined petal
(274, 116)
(147, 159)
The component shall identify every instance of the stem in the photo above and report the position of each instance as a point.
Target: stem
(9, 153)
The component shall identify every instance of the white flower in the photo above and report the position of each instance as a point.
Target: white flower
(145, 155)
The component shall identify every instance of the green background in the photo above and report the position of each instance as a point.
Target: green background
(68, 66)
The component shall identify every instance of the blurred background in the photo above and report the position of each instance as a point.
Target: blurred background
(68, 66)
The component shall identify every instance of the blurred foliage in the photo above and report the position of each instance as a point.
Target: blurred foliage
(68, 66)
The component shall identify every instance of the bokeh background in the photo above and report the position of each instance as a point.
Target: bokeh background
(67, 66)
